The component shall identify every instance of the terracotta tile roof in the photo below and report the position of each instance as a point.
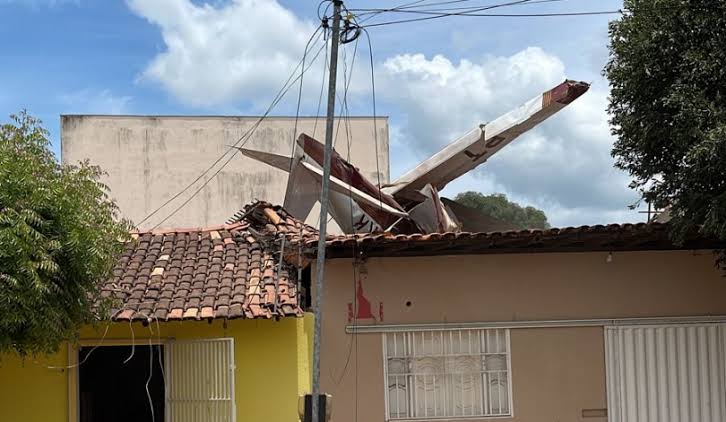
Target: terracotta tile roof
(229, 271)
(612, 237)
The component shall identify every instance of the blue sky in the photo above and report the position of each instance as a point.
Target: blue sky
(434, 79)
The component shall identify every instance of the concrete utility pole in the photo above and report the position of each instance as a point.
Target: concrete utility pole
(324, 205)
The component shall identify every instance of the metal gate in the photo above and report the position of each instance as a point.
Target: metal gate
(199, 378)
(666, 373)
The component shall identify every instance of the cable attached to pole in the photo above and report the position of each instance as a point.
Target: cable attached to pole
(324, 207)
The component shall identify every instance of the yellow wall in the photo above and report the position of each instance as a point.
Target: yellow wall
(272, 367)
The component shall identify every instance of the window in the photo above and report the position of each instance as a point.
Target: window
(188, 381)
(200, 381)
(447, 374)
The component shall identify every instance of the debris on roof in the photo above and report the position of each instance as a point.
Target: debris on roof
(229, 271)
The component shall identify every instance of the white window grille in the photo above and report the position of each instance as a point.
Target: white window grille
(199, 377)
(447, 374)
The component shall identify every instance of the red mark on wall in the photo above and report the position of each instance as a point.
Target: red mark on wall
(364, 305)
(362, 309)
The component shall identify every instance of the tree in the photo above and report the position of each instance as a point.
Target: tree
(498, 206)
(667, 71)
(59, 238)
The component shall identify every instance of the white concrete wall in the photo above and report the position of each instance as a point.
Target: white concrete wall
(150, 158)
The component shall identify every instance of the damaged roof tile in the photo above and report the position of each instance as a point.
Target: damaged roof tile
(228, 271)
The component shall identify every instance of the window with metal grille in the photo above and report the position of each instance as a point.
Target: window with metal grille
(199, 378)
(447, 374)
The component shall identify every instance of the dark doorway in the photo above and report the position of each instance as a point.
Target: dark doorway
(113, 391)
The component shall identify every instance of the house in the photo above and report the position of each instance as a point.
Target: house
(206, 324)
(590, 324)
(148, 159)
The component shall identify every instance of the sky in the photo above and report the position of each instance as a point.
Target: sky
(435, 80)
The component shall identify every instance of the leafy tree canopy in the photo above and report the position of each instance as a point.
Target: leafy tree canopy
(498, 206)
(59, 237)
(667, 71)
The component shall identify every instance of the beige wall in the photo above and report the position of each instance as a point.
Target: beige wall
(149, 159)
(557, 372)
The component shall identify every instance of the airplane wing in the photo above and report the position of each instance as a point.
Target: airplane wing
(475, 147)
(359, 196)
(278, 161)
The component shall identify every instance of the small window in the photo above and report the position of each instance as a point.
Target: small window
(448, 374)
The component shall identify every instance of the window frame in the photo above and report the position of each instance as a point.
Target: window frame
(73, 350)
(413, 331)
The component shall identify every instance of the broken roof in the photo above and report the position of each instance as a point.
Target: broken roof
(612, 237)
(248, 267)
(229, 271)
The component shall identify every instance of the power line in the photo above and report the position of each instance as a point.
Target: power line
(246, 137)
(474, 12)
(395, 8)
(297, 109)
(470, 9)
(375, 123)
(368, 11)
(346, 85)
(276, 99)
(322, 88)
(498, 15)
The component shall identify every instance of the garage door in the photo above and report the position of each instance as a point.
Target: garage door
(666, 373)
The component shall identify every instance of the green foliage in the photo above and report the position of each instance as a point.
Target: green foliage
(498, 206)
(59, 237)
(667, 70)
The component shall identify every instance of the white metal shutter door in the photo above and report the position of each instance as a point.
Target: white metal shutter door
(200, 381)
(666, 373)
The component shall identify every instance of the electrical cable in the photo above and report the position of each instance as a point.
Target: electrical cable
(322, 16)
(499, 15)
(375, 123)
(158, 348)
(374, 14)
(246, 138)
(297, 109)
(449, 9)
(96, 346)
(472, 12)
(322, 88)
(282, 92)
(371, 10)
(346, 86)
(345, 115)
(148, 380)
(133, 343)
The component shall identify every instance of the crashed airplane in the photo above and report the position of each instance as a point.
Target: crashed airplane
(411, 203)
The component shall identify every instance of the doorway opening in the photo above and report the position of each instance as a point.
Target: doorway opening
(113, 391)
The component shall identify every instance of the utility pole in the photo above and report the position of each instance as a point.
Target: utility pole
(324, 206)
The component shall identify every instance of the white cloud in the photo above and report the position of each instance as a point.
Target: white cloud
(87, 101)
(441, 99)
(563, 166)
(223, 54)
(239, 52)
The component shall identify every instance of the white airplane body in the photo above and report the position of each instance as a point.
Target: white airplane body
(410, 203)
